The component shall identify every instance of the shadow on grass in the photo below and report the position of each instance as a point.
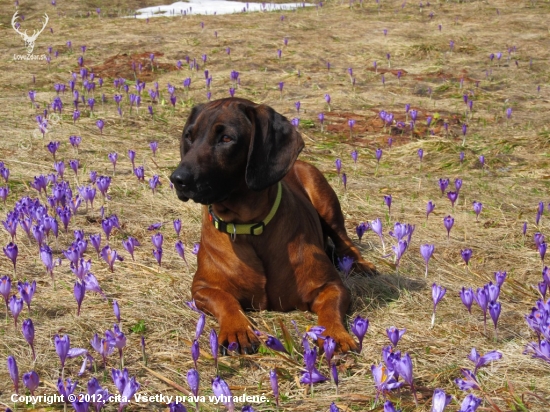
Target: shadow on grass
(380, 290)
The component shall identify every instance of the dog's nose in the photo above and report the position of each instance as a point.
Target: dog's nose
(181, 177)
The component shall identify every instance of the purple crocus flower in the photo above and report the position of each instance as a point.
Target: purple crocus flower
(65, 388)
(443, 183)
(354, 155)
(180, 248)
(26, 290)
(426, 251)
(129, 244)
(110, 256)
(14, 373)
(31, 381)
(403, 366)
(103, 183)
(275, 344)
(140, 173)
(467, 297)
(100, 124)
(543, 288)
(448, 221)
(5, 288)
(542, 251)
(481, 361)
(126, 386)
(177, 226)
(466, 255)
(437, 294)
(492, 291)
(154, 147)
(16, 306)
(321, 118)
(11, 251)
(430, 206)
(383, 380)
(196, 247)
(200, 326)
(329, 345)
(221, 391)
(387, 201)
(95, 240)
(107, 226)
(274, 385)
(500, 277)
(116, 310)
(157, 253)
(482, 300)
(195, 351)
(59, 168)
(92, 285)
(389, 407)
(399, 250)
(4, 194)
(394, 334)
(193, 381)
(79, 291)
(132, 156)
(101, 394)
(311, 375)
(452, 196)
(494, 311)
(214, 346)
(113, 157)
(470, 404)
(360, 229)
(28, 333)
(440, 400)
(376, 226)
(334, 373)
(477, 208)
(338, 164)
(359, 328)
(378, 155)
(458, 185)
(53, 147)
(62, 346)
(103, 346)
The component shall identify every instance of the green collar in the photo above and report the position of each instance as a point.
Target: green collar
(246, 228)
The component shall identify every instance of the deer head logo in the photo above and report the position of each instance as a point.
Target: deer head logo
(29, 40)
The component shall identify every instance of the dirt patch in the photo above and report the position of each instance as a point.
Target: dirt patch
(129, 66)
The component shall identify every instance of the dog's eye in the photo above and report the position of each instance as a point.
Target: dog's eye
(226, 139)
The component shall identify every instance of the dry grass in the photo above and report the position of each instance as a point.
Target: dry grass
(152, 300)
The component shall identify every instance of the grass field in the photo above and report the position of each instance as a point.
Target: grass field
(439, 60)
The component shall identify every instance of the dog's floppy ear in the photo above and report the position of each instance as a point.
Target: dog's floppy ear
(274, 147)
(190, 120)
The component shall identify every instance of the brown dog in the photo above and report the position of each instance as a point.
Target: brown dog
(263, 242)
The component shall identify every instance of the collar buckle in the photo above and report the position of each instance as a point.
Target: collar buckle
(257, 229)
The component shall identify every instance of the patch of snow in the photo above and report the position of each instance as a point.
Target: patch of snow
(213, 7)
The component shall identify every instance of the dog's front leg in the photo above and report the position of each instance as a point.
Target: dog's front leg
(234, 325)
(331, 305)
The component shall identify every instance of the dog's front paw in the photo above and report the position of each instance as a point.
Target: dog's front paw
(344, 341)
(363, 266)
(239, 332)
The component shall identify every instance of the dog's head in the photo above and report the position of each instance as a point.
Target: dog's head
(231, 144)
